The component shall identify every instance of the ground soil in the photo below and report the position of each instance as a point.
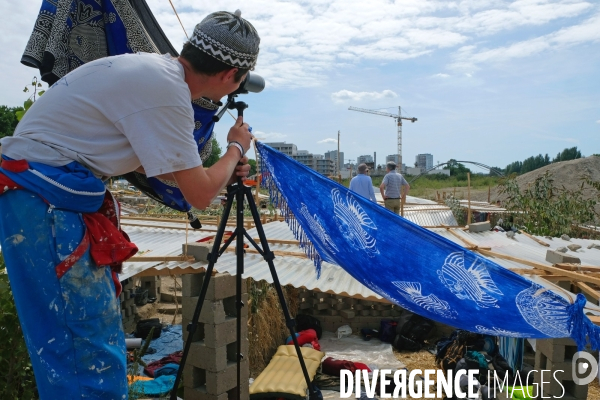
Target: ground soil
(567, 174)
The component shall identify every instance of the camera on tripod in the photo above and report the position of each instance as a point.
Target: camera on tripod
(252, 83)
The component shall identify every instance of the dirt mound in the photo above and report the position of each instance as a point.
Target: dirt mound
(566, 174)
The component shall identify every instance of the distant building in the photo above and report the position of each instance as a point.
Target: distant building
(289, 149)
(333, 155)
(392, 157)
(367, 159)
(424, 161)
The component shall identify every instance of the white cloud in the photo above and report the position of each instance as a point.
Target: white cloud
(345, 95)
(328, 140)
(269, 135)
(440, 75)
(468, 57)
(598, 122)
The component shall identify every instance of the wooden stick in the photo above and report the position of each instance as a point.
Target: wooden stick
(168, 227)
(489, 192)
(577, 267)
(469, 245)
(278, 241)
(469, 198)
(160, 258)
(573, 275)
(588, 290)
(534, 238)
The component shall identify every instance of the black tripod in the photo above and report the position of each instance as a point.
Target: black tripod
(237, 192)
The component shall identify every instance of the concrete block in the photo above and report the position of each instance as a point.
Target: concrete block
(331, 301)
(199, 251)
(358, 307)
(330, 311)
(386, 313)
(480, 226)
(347, 314)
(220, 286)
(321, 306)
(556, 257)
(213, 312)
(551, 350)
(364, 312)
(215, 359)
(340, 306)
(375, 313)
(304, 305)
(321, 295)
(216, 335)
(351, 301)
(367, 303)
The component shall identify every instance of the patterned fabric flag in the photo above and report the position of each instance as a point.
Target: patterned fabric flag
(415, 268)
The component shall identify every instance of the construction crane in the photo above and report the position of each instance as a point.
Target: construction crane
(398, 117)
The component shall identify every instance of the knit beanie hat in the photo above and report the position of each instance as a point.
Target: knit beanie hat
(229, 38)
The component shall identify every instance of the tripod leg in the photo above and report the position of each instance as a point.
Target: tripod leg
(212, 259)
(314, 394)
(238, 280)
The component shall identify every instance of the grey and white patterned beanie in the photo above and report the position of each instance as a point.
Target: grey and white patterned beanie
(228, 38)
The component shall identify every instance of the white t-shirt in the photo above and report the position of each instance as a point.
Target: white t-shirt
(112, 115)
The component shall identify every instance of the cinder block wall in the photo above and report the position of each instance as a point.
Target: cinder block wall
(557, 354)
(210, 372)
(336, 310)
(129, 311)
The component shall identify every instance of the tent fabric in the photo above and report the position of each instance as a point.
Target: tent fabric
(415, 268)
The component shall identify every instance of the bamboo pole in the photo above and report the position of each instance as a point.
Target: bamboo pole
(402, 200)
(469, 198)
(160, 259)
(489, 193)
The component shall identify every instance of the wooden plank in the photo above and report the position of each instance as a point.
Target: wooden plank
(170, 271)
(577, 277)
(577, 267)
(587, 289)
(538, 241)
(469, 245)
(181, 228)
(160, 259)
(278, 241)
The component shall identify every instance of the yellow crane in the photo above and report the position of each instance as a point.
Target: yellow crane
(398, 117)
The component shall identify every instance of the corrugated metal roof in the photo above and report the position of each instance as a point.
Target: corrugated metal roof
(300, 272)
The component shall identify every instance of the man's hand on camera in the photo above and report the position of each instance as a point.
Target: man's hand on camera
(240, 133)
(240, 171)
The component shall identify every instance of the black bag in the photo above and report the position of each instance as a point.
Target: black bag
(412, 334)
(402, 343)
(143, 327)
(417, 328)
(305, 321)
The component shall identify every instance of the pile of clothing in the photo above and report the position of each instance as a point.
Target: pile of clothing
(465, 350)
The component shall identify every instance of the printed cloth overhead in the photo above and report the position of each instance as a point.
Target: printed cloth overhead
(413, 267)
(70, 33)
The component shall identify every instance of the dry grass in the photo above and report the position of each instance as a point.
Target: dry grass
(266, 325)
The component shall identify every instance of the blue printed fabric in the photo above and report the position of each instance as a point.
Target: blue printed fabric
(70, 33)
(412, 266)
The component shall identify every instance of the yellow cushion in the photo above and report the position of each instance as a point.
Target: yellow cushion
(284, 374)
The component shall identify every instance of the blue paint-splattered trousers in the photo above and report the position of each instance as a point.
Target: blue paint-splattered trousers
(72, 324)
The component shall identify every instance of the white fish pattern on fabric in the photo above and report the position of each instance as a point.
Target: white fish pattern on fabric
(473, 284)
(352, 220)
(411, 291)
(316, 228)
(497, 331)
(543, 311)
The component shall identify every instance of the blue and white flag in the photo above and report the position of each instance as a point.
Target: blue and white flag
(415, 268)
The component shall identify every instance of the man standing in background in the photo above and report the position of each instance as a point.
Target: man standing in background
(391, 188)
(362, 183)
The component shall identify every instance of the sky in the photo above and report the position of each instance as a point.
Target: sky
(489, 81)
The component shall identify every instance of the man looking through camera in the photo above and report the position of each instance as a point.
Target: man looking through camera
(59, 228)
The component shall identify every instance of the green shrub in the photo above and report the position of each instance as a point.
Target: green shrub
(16, 380)
(547, 210)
